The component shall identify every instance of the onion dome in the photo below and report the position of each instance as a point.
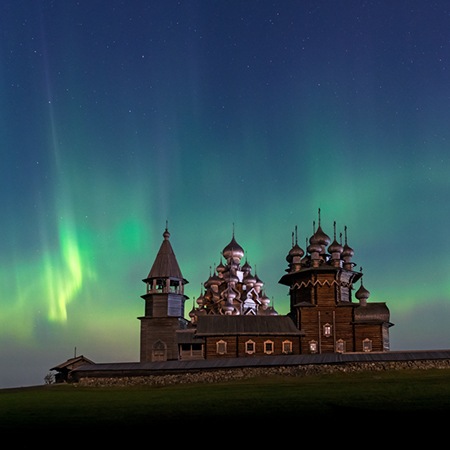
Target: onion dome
(233, 251)
(249, 279)
(335, 247)
(200, 300)
(272, 311)
(347, 254)
(314, 246)
(295, 255)
(321, 237)
(313, 239)
(264, 300)
(296, 250)
(347, 251)
(213, 280)
(246, 268)
(220, 268)
(258, 282)
(231, 294)
(228, 306)
(231, 277)
(362, 294)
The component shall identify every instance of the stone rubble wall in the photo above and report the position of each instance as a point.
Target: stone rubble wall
(223, 375)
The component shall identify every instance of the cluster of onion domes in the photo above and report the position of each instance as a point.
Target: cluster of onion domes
(319, 251)
(232, 288)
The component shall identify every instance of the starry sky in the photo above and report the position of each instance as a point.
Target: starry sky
(215, 116)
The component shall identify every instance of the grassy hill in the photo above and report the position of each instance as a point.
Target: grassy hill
(365, 399)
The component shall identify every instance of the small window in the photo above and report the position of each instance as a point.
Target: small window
(367, 345)
(287, 347)
(159, 348)
(313, 347)
(268, 347)
(221, 347)
(250, 347)
(327, 330)
(340, 346)
(159, 351)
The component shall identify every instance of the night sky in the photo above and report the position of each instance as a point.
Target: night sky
(215, 116)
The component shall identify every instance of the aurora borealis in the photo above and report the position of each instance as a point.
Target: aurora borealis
(214, 115)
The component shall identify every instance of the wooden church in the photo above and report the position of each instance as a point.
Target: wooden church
(233, 317)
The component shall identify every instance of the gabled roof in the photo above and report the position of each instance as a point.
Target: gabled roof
(218, 325)
(166, 264)
(73, 362)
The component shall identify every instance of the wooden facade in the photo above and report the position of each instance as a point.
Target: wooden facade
(233, 317)
(250, 346)
(234, 336)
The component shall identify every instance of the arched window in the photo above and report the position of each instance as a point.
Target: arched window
(159, 351)
(268, 347)
(367, 345)
(313, 347)
(327, 330)
(250, 347)
(340, 346)
(286, 347)
(221, 347)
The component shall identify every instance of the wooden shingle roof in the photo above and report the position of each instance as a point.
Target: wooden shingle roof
(372, 313)
(72, 363)
(245, 325)
(165, 264)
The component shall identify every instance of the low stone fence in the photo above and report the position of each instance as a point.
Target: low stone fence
(230, 374)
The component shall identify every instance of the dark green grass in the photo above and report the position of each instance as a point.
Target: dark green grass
(413, 395)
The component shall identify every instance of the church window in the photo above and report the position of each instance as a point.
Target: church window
(159, 351)
(367, 345)
(340, 346)
(268, 347)
(327, 330)
(313, 347)
(287, 347)
(221, 347)
(250, 347)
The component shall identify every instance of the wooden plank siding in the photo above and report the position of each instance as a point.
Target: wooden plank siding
(374, 332)
(314, 320)
(325, 290)
(235, 345)
(158, 329)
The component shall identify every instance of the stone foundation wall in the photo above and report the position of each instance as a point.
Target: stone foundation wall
(221, 375)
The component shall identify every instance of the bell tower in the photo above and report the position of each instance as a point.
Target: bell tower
(164, 306)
